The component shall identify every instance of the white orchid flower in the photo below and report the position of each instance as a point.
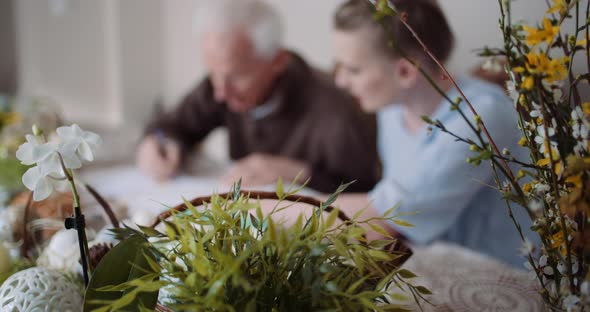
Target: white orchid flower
(84, 143)
(51, 159)
(38, 182)
(34, 150)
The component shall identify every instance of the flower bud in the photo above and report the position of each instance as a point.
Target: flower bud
(37, 131)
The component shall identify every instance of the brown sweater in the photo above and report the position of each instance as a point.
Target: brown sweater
(312, 121)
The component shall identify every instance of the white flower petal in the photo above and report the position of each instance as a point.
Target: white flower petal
(85, 151)
(43, 151)
(24, 153)
(51, 165)
(92, 138)
(71, 161)
(543, 260)
(43, 189)
(31, 177)
(548, 270)
(83, 142)
(66, 133)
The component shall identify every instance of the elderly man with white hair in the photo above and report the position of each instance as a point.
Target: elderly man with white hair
(285, 119)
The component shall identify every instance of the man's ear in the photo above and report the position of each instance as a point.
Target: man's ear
(407, 74)
(281, 61)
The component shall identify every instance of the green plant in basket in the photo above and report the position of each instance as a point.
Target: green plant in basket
(229, 256)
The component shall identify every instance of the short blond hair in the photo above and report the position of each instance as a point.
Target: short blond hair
(259, 20)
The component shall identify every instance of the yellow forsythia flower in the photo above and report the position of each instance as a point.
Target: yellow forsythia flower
(543, 162)
(528, 83)
(558, 168)
(9, 118)
(527, 187)
(559, 5)
(551, 69)
(576, 180)
(545, 34)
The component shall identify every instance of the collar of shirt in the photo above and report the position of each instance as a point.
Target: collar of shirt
(264, 110)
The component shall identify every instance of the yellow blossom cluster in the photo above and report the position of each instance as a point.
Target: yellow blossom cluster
(546, 33)
(558, 6)
(538, 64)
(9, 118)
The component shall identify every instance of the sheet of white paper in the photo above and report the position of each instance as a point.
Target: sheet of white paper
(147, 197)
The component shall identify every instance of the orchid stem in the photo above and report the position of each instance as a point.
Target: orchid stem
(77, 222)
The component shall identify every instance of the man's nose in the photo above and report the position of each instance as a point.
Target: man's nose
(341, 80)
(221, 90)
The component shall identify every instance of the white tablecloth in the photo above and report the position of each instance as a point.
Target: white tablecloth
(462, 280)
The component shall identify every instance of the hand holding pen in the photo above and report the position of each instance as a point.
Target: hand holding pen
(159, 156)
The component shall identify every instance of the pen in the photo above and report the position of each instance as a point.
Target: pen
(161, 142)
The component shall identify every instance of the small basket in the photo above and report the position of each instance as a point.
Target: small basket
(28, 241)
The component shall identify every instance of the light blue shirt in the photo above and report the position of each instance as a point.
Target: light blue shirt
(426, 173)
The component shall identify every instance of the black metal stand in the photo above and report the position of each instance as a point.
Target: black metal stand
(78, 223)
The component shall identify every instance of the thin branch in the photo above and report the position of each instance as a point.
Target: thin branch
(448, 75)
(104, 204)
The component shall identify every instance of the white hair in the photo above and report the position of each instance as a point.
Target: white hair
(259, 20)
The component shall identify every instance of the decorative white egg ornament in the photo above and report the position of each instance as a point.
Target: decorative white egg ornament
(39, 290)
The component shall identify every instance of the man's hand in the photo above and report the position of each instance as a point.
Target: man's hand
(264, 169)
(158, 157)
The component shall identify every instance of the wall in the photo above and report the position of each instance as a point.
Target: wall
(8, 76)
(101, 61)
(106, 62)
(308, 24)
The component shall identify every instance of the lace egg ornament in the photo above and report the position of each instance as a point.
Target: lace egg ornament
(39, 290)
(62, 253)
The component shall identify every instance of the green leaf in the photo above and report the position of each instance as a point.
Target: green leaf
(171, 230)
(402, 223)
(150, 232)
(332, 218)
(406, 273)
(333, 197)
(124, 262)
(423, 290)
(236, 190)
(379, 229)
(280, 189)
(272, 230)
(399, 297)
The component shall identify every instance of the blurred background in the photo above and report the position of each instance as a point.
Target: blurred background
(104, 63)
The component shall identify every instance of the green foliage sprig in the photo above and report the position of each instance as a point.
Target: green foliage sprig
(229, 256)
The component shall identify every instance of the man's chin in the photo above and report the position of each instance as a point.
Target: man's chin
(238, 107)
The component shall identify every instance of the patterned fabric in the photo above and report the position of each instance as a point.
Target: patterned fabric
(463, 281)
